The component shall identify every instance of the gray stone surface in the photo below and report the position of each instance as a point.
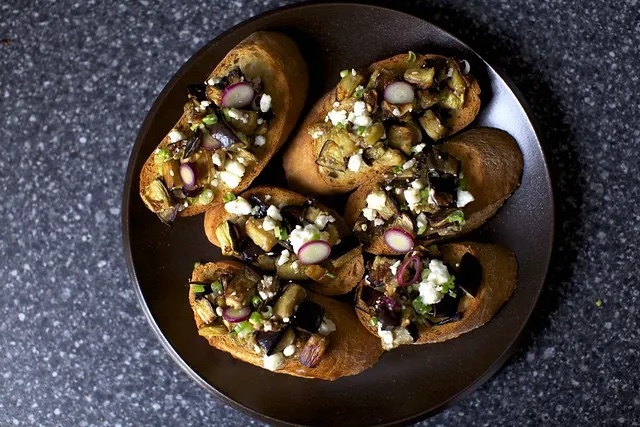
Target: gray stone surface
(76, 80)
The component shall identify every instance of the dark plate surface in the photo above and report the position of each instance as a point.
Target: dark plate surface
(407, 384)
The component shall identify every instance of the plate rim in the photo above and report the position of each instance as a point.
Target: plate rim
(129, 181)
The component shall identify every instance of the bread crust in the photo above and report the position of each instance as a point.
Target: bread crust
(276, 59)
(352, 349)
(499, 277)
(299, 160)
(347, 276)
(492, 164)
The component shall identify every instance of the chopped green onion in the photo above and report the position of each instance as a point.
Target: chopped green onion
(421, 229)
(256, 301)
(243, 329)
(420, 307)
(424, 193)
(361, 130)
(456, 216)
(255, 319)
(197, 288)
(357, 94)
(316, 236)
(216, 287)
(280, 232)
(331, 275)
(266, 312)
(344, 73)
(373, 321)
(411, 56)
(225, 114)
(209, 120)
(229, 197)
(194, 126)
(162, 155)
(205, 197)
(341, 125)
(599, 303)
(397, 169)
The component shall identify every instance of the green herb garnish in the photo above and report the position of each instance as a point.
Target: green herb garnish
(205, 197)
(280, 233)
(216, 287)
(255, 318)
(420, 307)
(373, 321)
(421, 229)
(331, 275)
(397, 169)
(357, 94)
(361, 130)
(243, 329)
(456, 216)
(256, 301)
(344, 73)
(197, 288)
(162, 155)
(209, 120)
(424, 194)
(229, 197)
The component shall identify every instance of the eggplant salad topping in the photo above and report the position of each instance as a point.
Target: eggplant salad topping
(404, 296)
(422, 198)
(298, 242)
(227, 119)
(272, 319)
(387, 118)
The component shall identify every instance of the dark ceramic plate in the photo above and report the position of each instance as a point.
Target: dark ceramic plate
(407, 384)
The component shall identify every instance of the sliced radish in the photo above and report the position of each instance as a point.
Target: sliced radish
(237, 95)
(398, 239)
(314, 252)
(399, 93)
(234, 315)
(188, 176)
(209, 143)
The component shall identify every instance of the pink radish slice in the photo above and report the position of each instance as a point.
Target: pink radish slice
(234, 316)
(188, 176)
(209, 143)
(237, 95)
(314, 252)
(399, 93)
(398, 240)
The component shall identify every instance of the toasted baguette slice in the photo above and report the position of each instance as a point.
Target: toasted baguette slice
(491, 164)
(267, 59)
(337, 275)
(351, 348)
(301, 156)
(498, 281)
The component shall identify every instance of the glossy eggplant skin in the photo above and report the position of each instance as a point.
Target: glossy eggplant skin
(269, 340)
(308, 316)
(469, 274)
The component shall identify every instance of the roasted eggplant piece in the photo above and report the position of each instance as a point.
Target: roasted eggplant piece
(313, 350)
(269, 340)
(469, 274)
(241, 288)
(229, 237)
(331, 156)
(286, 305)
(308, 316)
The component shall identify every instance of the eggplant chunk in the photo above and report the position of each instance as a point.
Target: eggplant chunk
(312, 352)
(291, 297)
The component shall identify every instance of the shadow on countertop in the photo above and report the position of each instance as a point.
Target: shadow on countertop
(499, 49)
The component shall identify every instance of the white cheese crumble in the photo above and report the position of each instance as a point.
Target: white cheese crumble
(377, 222)
(355, 162)
(175, 135)
(412, 196)
(337, 117)
(289, 350)
(354, 72)
(234, 113)
(464, 198)
(418, 148)
(273, 362)
(417, 184)
(260, 140)
(284, 257)
(216, 159)
(322, 220)
(421, 221)
(265, 103)
(430, 287)
(369, 214)
(274, 212)
(396, 112)
(376, 200)
(213, 81)
(327, 326)
(234, 167)
(316, 134)
(409, 164)
(239, 206)
(268, 224)
(229, 179)
(393, 268)
(299, 236)
(260, 121)
(219, 311)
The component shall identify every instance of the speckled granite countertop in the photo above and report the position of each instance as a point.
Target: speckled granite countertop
(76, 80)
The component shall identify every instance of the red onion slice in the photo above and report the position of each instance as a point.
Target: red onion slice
(237, 95)
(234, 316)
(413, 262)
(399, 93)
(398, 239)
(188, 176)
(209, 143)
(314, 252)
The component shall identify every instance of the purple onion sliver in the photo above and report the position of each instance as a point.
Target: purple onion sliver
(234, 316)
(188, 175)
(412, 262)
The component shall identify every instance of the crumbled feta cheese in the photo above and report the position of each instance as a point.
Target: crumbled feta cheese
(265, 103)
(354, 72)
(234, 113)
(274, 212)
(387, 336)
(322, 220)
(262, 295)
(284, 257)
(364, 227)
(268, 224)
(376, 200)
(260, 121)
(418, 148)
(359, 108)
(299, 236)
(204, 104)
(412, 196)
(421, 221)
(431, 286)
(175, 135)
(234, 167)
(213, 81)
(409, 164)
(285, 319)
(394, 267)
(417, 184)
(273, 362)
(242, 161)
(369, 214)
(396, 112)
(362, 121)
(260, 140)
(289, 350)
(378, 222)
(267, 197)
(239, 206)
(219, 311)
(327, 326)
(216, 159)
(295, 265)
(336, 104)
(355, 162)
(464, 198)
(316, 134)
(229, 179)
(337, 117)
